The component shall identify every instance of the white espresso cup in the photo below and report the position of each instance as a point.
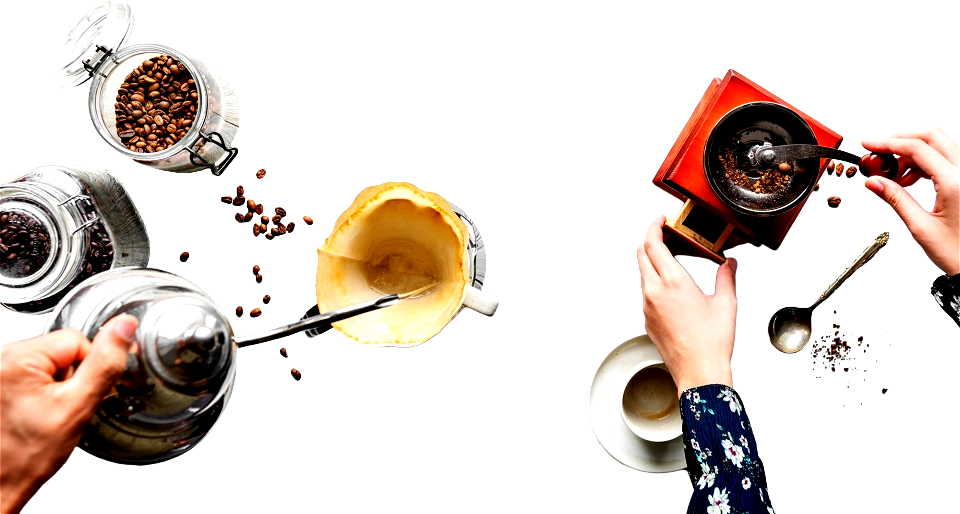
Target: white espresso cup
(650, 406)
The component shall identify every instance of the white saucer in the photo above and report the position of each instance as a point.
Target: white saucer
(606, 397)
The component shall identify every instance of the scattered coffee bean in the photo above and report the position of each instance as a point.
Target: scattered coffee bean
(263, 227)
(266, 299)
(259, 209)
(239, 311)
(290, 226)
(274, 232)
(247, 217)
(184, 256)
(256, 229)
(283, 351)
(830, 167)
(816, 187)
(264, 219)
(833, 201)
(261, 173)
(251, 205)
(277, 219)
(256, 270)
(851, 171)
(281, 212)
(269, 236)
(155, 105)
(226, 199)
(839, 169)
(308, 220)
(239, 190)
(259, 278)
(296, 374)
(238, 201)
(784, 167)
(883, 391)
(255, 313)
(238, 217)
(281, 229)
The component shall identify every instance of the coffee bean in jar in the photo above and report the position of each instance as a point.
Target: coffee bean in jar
(156, 105)
(100, 59)
(24, 244)
(60, 226)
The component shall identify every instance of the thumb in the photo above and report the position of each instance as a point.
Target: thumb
(106, 361)
(727, 280)
(905, 206)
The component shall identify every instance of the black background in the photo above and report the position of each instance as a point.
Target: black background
(547, 133)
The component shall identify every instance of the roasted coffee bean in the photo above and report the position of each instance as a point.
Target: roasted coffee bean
(264, 220)
(247, 217)
(239, 311)
(263, 227)
(256, 229)
(259, 278)
(816, 187)
(308, 220)
(281, 212)
(24, 244)
(830, 167)
(290, 226)
(833, 201)
(269, 236)
(238, 217)
(839, 169)
(255, 313)
(259, 209)
(145, 105)
(239, 190)
(851, 171)
(283, 351)
(184, 256)
(277, 219)
(296, 374)
(251, 205)
(238, 201)
(266, 299)
(261, 173)
(784, 167)
(274, 232)
(281, 229)
(256, 269)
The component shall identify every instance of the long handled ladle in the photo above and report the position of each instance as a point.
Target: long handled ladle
(323, 321)
(790, 327)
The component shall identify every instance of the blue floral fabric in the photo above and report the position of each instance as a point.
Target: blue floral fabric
(721, 454)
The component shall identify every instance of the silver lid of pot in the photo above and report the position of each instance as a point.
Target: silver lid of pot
(100, 32)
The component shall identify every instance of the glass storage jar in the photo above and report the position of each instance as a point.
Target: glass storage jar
(95, 52)
(60, 226)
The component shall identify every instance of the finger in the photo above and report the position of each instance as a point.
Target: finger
(911, 177)
(58, 350)
(727, 280)
(660, 257)
(105, 362)
(937, 139)
(647, 273)
(922, 154)
(905, 206)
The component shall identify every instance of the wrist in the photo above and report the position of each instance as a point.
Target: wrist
(722, 375)
(14, 493)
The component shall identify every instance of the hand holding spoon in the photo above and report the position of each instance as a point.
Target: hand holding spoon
(790, 327)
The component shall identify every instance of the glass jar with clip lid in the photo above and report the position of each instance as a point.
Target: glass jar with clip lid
(150, 102)
(60, 226)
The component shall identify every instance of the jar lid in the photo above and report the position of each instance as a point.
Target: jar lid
(100, 32)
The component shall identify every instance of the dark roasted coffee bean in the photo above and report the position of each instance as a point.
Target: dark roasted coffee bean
(277, 219)
(263, 228)
(256, 229)
(274, 232)
(308, 220)
(238, 217)
(266, 298)
(296, 374)
(269, 236)
(281, 229)
(255, 313)
(256, 269)
(239, 190)
(259, 278)
(264, 220)
(238, 201)
(290, 226)
(247, 217)
(251, 205)
(283, 351)
(184, 256)
(281, 212)
(239, 311)
(839, 169)
(816, 186)
(851, 171)
(259, 209)
(833, 201)
(261, 173)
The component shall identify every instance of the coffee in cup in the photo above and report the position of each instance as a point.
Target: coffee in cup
(650, 406)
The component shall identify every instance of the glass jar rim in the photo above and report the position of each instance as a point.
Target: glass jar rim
(96, 89)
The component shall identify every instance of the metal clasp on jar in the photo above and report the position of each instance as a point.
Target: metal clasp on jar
(217, 139)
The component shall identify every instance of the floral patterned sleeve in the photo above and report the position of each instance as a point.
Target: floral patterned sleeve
(721, 453)
(946, 291)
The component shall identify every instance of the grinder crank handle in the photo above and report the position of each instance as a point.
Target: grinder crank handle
(871, 164)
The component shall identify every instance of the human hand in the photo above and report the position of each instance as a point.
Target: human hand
(44, 407)
(929, 154)
(693, 332)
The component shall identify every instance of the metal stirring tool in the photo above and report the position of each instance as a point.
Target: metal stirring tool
(790, 327)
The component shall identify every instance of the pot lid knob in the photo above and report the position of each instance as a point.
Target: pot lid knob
(187, 343)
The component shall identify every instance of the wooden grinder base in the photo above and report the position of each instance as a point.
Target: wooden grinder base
(695, 231)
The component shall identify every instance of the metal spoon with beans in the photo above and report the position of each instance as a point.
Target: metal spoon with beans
(790, 327)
